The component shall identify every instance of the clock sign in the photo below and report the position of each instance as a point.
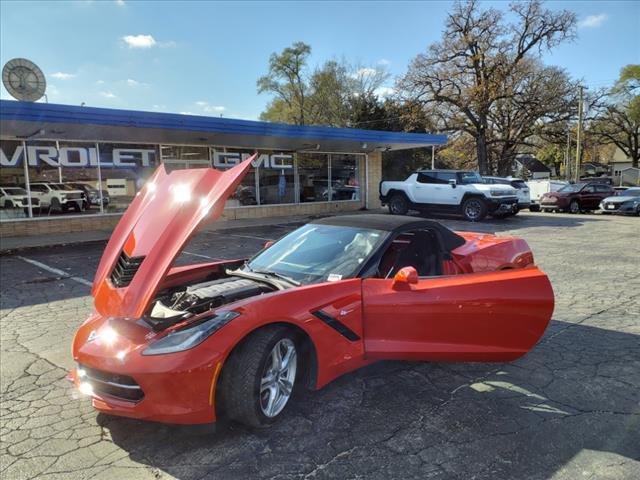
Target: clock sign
(23, 80)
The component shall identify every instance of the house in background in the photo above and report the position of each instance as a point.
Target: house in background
(594, 169)
(528, 166)
(622, 170)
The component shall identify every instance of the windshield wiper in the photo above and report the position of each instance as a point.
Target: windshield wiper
(277, 275)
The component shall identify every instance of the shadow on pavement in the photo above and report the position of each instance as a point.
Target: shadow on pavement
(574, 395)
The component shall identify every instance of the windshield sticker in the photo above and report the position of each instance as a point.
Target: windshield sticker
(334, 277)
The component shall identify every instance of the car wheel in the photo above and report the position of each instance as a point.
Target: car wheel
(259, 377)
(474, 209)
(534, 208)
(574, 206)
(55, 204)
(77, 206)
(8, 204)
(398, 204)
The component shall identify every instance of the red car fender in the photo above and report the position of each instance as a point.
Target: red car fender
(335, 353)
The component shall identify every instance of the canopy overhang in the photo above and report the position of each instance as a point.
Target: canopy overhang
(41, 121)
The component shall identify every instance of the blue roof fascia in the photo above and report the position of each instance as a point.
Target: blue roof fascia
(55, 113)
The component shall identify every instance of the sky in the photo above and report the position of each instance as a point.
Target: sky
(204, 57)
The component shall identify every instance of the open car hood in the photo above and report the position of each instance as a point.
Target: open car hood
(153, 231)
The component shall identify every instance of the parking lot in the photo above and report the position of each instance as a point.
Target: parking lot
(570, 409)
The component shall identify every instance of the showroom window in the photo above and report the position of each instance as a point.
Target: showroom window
(313, 174)
(124, 169)
(246, 192)
(13, 197)
(177, 157)
(344, 177)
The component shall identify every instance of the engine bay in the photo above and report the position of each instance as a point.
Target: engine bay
(183, 302)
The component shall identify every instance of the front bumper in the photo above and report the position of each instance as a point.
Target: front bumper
(174, 388)
(501, 205)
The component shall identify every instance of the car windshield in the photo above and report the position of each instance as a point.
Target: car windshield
(61, 186)
(470, 177)
(15, 191)
(574, 187)
(632, 192)
(318, 253)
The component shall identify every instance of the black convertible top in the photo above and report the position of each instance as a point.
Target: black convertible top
(395, 224)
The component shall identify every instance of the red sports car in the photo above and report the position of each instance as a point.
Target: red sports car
(187, 344)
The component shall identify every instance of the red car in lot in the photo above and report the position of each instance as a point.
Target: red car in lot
(576, 197)
(189, 344)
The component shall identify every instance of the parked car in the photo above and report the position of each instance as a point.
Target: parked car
(522, 189)
(449, 191)
(537, 188)
(16, 197)
(627, 202)
(188, 344)
(576, 197)
(57, 196)
(91, 195)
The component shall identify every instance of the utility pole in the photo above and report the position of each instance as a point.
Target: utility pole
(567, 156)
(578, 139)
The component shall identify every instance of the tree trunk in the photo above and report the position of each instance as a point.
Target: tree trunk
(483, 157)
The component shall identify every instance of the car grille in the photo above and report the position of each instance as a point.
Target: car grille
(115, 385)
(611, 206)
(126, 267)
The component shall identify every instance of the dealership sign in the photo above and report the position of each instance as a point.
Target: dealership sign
(78, 157)
(264, 160)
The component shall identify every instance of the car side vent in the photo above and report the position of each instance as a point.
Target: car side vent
(126, 267)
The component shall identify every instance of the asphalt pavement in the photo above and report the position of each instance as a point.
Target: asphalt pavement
(569, 409)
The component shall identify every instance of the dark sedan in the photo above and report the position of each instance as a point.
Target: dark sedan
(576, 197)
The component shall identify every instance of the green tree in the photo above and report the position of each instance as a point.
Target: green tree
(619, 119)
(287, 80)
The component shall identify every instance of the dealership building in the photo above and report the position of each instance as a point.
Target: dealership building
(74, 168)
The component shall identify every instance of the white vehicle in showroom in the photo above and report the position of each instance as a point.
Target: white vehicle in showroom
(57, 196)
(16, 197)
(449, 191)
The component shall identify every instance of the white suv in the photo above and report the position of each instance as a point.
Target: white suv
(449, 191)
(57, 196)
(522, 189)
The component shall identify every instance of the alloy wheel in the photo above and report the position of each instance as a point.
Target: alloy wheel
(472, 209)
(278, 377)
(574, 207)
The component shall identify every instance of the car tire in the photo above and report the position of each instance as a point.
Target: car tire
(251, 392)
(534, 208)
(398, 204)
(55, 205)
(474, 209)
(77, 207)
(574, 207)
(8, 204)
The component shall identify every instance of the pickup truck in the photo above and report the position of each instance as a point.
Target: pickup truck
(57, 196)
(449, 191)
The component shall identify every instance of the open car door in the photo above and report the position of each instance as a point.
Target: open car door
(484, 317)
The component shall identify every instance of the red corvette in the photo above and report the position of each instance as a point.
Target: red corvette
(187, 344)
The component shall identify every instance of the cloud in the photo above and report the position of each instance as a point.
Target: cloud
(120, 3)
(593, 21)
(108, 95)
(99, 82)
(186, 113)
(134, 83)
(62, 75)
(384, 91)
(139, 41)
(384, 62)
(365, 72)
(208, 108)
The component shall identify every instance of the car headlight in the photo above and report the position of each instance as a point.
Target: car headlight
(190, 335)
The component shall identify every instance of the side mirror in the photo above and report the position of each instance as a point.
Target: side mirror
(405, 276)
(268, 243)
(453, 183)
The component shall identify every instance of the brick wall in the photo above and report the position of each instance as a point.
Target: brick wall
(375, 176)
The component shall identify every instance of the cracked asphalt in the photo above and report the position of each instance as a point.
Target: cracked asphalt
(569, 409)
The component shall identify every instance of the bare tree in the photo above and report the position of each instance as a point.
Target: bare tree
(467, 72)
